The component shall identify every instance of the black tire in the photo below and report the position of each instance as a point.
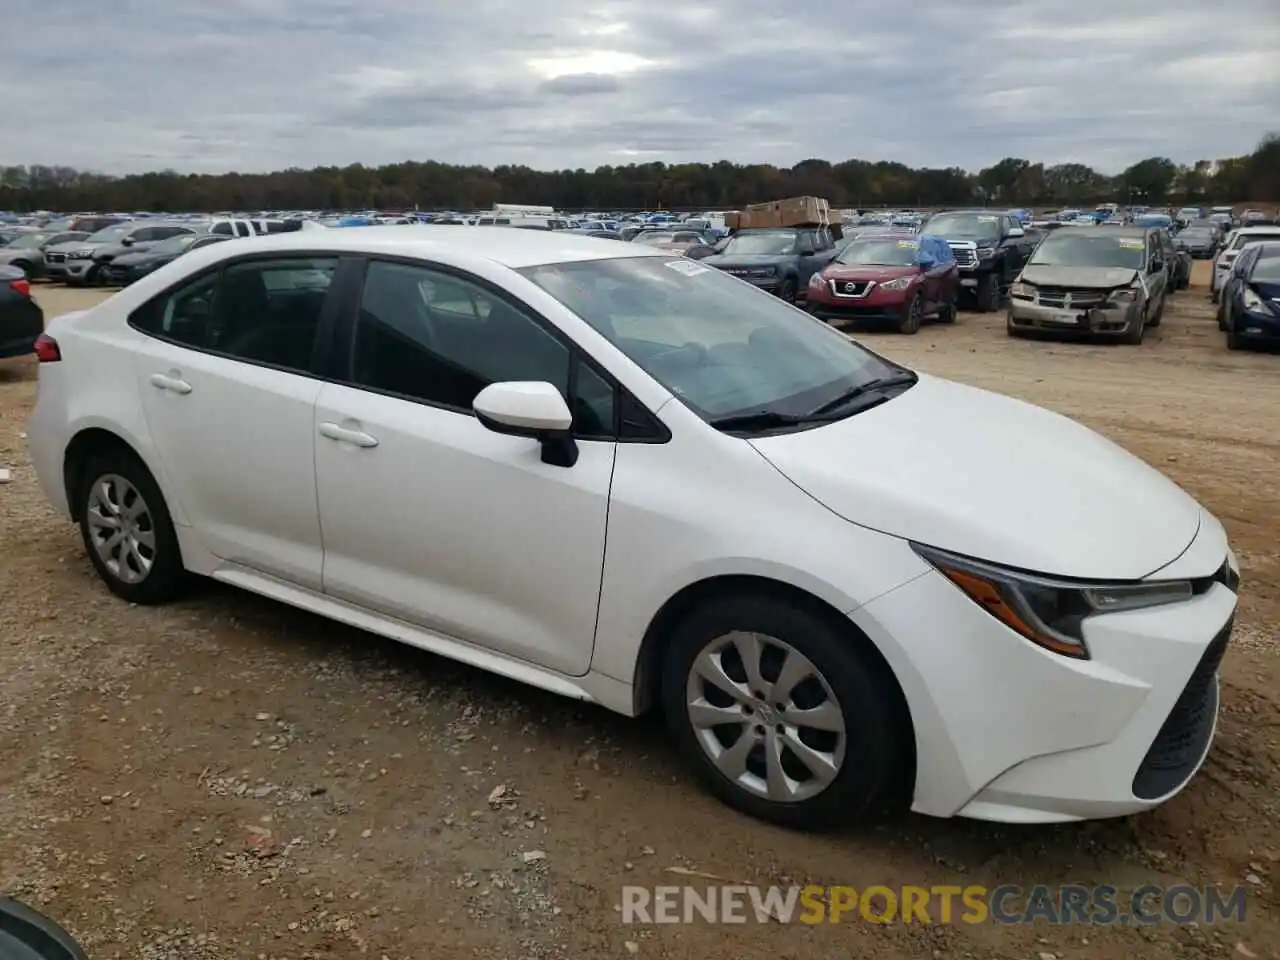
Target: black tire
(787, 290)
(988, 293)
(948, 313)
(23, 266)
(1157, 316)
(1010, 329)
(874, 774)
(1222, 316)
(1235, 341)
(1133, 336)
(163, 581)
(915, 316)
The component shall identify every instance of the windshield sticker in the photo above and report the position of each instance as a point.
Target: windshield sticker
(909, 244)
(689, 268)
(1132, 243)
(986, 219)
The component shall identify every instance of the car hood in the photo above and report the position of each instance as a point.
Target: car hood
(1100, 277)
(723, 260)
(867, 271)
(991, 477)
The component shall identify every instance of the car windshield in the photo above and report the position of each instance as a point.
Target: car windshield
(175, 244)
(28, 241)
(110, 234)
(721, 346)
(763, 242)
(888, 253)
(1243, 238)
(1100, 250)
(969, 226)
(1194, 233)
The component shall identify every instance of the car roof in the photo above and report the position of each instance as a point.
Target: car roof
(1254, 231)
(507, 246)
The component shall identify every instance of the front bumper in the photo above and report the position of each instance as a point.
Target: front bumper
(1256, 325)
(69, 270)
(1008, 731)
(877, 306)
(1106, 319)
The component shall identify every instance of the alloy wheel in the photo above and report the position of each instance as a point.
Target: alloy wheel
(765, 717)
(121, 529)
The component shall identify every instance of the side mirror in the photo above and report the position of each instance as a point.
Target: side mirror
(534, 409)
(1016, 232)
(127, 241)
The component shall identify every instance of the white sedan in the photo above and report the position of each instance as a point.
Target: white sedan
(628, 478)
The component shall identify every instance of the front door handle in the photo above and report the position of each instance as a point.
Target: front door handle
(357, 437)
(172, 384)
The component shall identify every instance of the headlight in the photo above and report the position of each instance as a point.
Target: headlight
(1023, 290)
(79, 254)
(816, 281)
(1251, 300)
(1048, 611)
(900, 284)
(985, 252)
(1125, 294)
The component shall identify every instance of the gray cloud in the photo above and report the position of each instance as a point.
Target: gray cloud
(266, 84)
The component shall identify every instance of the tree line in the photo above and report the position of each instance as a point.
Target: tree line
(429, 185)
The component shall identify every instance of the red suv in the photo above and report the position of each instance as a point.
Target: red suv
(902, 280)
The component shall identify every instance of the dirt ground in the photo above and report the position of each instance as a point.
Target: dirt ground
(231, 778)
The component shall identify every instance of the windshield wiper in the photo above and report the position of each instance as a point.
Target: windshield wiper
(879, 383)
(758, 420)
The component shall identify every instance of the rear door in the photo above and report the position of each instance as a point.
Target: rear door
(228, 388)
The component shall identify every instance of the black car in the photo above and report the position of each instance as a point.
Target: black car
(124, 269)
(21, 319)
(1250, 306)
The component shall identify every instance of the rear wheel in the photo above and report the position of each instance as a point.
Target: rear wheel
(1133, 336)
(787, 290)
(784, 715)
(126, 529)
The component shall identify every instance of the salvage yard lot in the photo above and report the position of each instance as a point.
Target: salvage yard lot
(228, 777)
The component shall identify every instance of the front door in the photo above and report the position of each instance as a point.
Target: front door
(432, 518)
(229, 398)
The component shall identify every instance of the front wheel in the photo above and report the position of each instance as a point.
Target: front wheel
(787, 290)
(783, 714)
(914, 316)
(947, 314)
(988, 293)
(127, 531)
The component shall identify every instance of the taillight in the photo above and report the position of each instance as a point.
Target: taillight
(21, 287)
(47, 350)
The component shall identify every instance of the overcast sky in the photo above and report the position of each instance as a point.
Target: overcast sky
(210, 85)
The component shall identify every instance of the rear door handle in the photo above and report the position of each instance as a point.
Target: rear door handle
(172, 384)
(357, 437)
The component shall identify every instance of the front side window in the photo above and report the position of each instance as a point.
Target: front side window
(719, 345)
(432, 336)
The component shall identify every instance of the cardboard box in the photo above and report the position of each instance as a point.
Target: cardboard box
(793, 212)
(733, 219)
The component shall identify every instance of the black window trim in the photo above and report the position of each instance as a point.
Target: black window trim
(321, 355)
(342, 358)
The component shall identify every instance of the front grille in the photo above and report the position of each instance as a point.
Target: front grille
(851, 288)
(56, 257)
(1070, 297)
(1182, 740)
(965, 257)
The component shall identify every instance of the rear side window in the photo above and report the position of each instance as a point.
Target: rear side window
(222, 229)
(263, 311)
